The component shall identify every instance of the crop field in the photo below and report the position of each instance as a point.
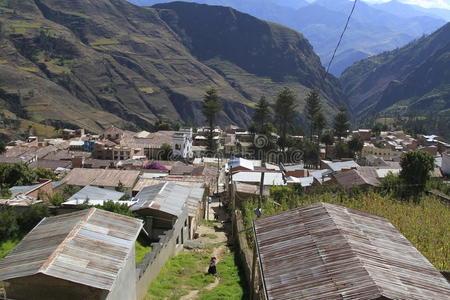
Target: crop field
(426, 223)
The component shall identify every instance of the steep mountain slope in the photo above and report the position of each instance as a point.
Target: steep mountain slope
(94, 63)
(371, 32)
(410, 81)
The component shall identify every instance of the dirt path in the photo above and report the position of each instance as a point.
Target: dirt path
(215, 237)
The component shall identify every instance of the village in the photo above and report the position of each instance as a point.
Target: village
(142, 198)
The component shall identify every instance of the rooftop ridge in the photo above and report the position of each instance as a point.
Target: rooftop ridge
(69, 237)
(326, 207)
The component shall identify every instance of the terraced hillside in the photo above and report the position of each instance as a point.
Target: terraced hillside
(95, 63)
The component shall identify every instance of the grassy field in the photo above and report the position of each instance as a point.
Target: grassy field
(7, 247)
(141, 251)
(426, 224)
(187, 272)
(231, 281)
(180, 274)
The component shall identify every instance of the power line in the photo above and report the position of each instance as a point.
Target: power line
(340, 39)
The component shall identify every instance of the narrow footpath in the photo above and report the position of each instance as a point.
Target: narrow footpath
(213, 234)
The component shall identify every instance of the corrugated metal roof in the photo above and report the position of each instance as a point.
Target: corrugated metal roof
(303, 181)
(102, 177)
(350, 178)
(189, 181)
(270, 178)
(194, 200)
(166, 197)
(241, 162)
(95, 196)
(88, 247)
(326, 251)
(96, 193)
(338, 166)
(23, 189)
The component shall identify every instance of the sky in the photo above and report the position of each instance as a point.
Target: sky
(423, 3)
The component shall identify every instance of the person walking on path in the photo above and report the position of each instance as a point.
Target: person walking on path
(212, 270)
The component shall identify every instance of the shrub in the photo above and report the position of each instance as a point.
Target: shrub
(9, 228)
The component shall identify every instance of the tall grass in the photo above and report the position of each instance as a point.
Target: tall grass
(425, 223)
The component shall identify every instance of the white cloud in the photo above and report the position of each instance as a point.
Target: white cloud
(423, 3)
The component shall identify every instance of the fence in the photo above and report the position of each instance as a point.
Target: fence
(246, 255)
(169, 244)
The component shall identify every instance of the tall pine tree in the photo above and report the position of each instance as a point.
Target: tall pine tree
(341, 123)
(313, 112)
(261, 116)
(211, 106)
(284, 115)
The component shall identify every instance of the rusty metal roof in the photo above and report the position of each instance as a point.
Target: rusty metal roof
(170, 198)
(194, 200)
(102, 177)
(88, 247)
(325, 251)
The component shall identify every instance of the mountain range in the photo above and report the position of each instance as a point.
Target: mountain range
(373, 28)
(95, 63)
(411, 82)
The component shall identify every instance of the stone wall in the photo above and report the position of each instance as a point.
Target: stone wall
(169, 244)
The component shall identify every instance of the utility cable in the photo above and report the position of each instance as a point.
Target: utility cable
(340, 40)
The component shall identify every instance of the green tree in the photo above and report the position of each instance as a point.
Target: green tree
(341, 123)
(311, 154)
(120, 187)
(16, 174)
(211, 107)
(42, 173)
(8, 224)
(377, 128)
(328, 139)
(56, 199)
(5, 192)
(284, 115)
(312, 110)
(342, 150)
(261, 116)
(165, 151)
(2, 147)
(416, 169)
(116, 207)
(31, 217)
(356, 144)
(319, 124)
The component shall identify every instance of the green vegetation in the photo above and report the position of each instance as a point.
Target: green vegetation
(104, 42)
(341, 123)
(6, 247)
(416, 170)
(209, 235)
(186, 271)
(425, 223)
(14, 225)
(141, 251)
(209, 223)
(211, 107)
(147, 90)
(313, 112)
(231, 281)
(284, 115)
(19, 174)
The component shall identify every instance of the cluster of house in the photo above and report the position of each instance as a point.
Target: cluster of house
(89, 253)
(391, 145)
(246, 175)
